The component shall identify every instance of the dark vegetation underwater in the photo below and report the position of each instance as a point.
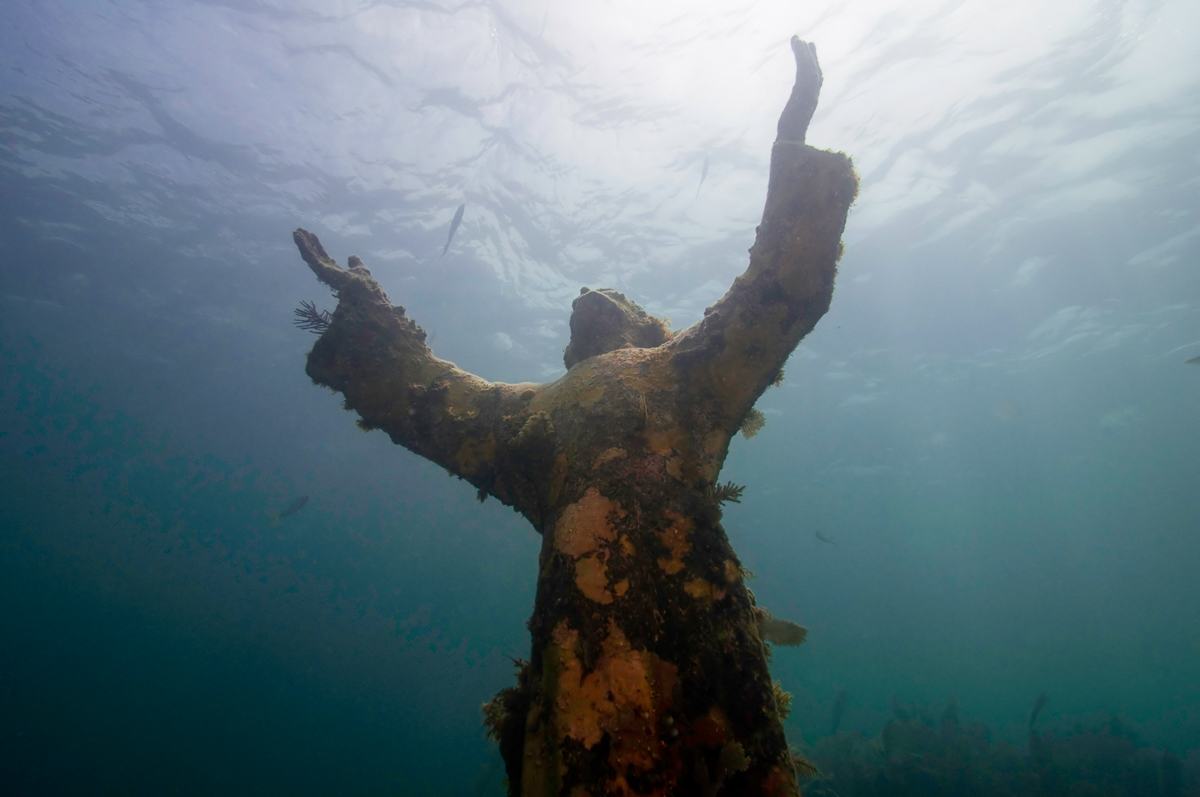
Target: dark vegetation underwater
(932, 750)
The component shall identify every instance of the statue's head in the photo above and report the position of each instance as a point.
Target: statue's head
(605, 320)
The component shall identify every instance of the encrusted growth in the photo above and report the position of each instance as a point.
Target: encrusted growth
(777, 631)
(753, 423)
(504, 717)
(783, 700)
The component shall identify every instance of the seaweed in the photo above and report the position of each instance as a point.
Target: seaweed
(804, 768)
(308, 317)
(753, 423)
(779, 632)
(921, 755)
(783, 700)
(724, 493)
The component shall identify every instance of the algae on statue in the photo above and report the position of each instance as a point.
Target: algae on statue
(648, 673)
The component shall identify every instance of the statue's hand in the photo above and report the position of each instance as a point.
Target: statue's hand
(354, 284)
(802, 104)
(324, 267)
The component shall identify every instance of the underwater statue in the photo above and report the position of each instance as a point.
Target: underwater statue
(648, 673)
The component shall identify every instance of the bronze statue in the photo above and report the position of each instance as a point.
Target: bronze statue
(648, 673)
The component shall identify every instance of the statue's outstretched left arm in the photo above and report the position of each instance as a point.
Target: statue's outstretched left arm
(375, 356)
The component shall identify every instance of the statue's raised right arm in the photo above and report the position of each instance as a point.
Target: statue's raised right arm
(737, 350)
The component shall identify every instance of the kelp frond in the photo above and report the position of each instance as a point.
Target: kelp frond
(722, 493)
(310, 318)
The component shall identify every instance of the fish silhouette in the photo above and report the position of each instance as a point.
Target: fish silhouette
(1193, 361)
(454, 227)
(292, 508)
(823, 538)
(703, 174)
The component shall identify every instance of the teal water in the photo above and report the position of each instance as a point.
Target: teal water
(995, 424)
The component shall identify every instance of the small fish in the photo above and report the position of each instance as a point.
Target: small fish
(454, 227)
(292, 508)
(823, 538)
(1039, 703)
(1193, 361)
(703, 174)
